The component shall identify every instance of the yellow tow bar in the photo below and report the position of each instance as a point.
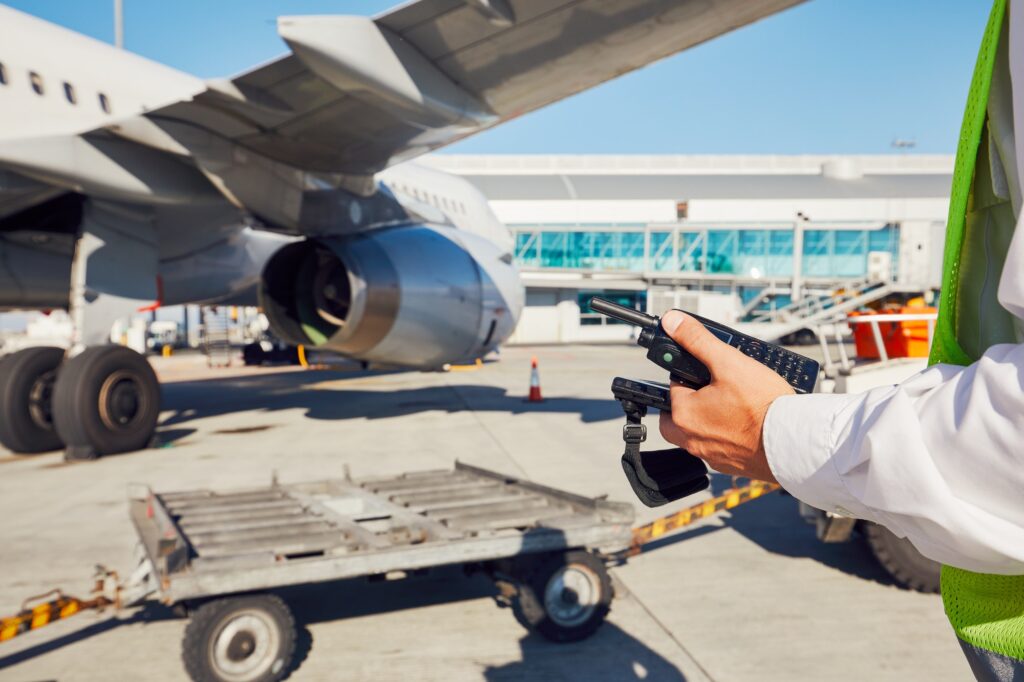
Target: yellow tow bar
(49, 607)
(730, 499)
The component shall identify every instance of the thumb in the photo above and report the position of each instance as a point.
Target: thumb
(693, 336)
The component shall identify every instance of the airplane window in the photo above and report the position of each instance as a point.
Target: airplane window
(104, 103)
(69, 92)
(37, 82)
(3, 74)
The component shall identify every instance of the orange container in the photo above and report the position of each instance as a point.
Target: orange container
(908, 339)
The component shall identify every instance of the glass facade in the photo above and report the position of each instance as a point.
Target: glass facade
(838, 252)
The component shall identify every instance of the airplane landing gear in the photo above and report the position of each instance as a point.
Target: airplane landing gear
(106, 401)
(26, 387)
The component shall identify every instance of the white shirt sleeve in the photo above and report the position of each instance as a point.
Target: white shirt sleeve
(938, 459)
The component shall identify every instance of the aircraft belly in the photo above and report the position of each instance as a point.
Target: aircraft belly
(35, 270)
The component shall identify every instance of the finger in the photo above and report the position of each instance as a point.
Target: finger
(669, 430)
(677, 391)
(694, 337)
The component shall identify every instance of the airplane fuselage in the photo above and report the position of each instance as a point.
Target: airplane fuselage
(70, 121)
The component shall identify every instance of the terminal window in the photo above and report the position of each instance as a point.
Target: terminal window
(756, 252)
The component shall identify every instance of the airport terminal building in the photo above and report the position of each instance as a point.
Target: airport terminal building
(723, 236)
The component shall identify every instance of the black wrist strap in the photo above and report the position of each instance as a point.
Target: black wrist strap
(658, 476)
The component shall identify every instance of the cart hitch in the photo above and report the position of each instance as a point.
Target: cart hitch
(42, 609)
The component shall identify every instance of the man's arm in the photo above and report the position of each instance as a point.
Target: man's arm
(938, 459)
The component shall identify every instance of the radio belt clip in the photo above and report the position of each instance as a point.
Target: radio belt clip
(658, 476)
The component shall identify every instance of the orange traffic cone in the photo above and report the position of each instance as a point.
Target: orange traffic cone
(535, 396)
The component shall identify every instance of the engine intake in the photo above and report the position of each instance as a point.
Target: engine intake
(412, 296)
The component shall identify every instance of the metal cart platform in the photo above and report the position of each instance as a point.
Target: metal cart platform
(219, 554)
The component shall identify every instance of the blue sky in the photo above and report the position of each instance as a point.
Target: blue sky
(830, 76)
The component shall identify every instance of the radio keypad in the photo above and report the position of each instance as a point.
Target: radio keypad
(790, 366)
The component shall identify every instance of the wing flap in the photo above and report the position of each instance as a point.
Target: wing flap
(368, 61)
(358, 94)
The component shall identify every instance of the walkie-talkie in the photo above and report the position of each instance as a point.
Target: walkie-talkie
(801, 372)
(662, 476)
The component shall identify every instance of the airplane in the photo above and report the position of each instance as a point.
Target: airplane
(126, 185)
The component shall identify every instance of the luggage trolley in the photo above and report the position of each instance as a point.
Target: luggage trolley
(219, 555)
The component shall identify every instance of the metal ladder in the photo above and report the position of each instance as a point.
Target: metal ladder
(216, 336)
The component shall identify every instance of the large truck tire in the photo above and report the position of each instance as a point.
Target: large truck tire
(106, 400)
(902, 560)
(27, 379)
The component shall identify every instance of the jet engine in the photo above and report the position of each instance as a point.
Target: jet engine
(415, 296)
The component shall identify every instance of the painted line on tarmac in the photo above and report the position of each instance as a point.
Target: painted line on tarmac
(490, 434)
(665, 629)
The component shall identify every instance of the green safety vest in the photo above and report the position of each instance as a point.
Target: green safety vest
(986, 611)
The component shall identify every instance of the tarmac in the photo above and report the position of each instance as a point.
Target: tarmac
(748, 595)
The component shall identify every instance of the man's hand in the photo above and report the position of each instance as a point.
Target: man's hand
(721, 423)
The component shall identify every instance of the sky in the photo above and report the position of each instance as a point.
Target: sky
(829, 76)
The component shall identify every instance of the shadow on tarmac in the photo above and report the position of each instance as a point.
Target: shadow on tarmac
(611, 654)
(773, 523)
(325, 395)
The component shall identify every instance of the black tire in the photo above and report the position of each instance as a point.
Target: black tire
(223, 636)
(253, 354)
(554, 609)
(801, 337)
(806, 337)
(902, 560)
(106, 400)
(26, 387)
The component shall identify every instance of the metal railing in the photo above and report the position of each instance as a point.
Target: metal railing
(876, 334)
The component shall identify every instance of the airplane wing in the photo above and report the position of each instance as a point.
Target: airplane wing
(357, 95)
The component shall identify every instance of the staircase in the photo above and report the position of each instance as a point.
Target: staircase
(216, 336)
(812, 311)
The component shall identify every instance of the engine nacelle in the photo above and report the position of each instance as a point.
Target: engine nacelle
(415, 296)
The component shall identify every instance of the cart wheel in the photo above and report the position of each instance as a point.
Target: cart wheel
(566, 598)
(240, 639)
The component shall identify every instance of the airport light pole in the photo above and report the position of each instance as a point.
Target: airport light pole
(119, 23)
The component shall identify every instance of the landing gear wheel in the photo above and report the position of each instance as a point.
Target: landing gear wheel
(240, 639)
(106, 400)
(903, 562)
(566, 597)
(26, 387)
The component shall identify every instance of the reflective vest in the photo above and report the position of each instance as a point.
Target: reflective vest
(986, 611)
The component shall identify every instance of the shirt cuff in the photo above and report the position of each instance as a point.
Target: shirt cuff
(799, 441)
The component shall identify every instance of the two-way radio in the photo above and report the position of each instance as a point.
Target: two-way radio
(800, 372)
(662, 476)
